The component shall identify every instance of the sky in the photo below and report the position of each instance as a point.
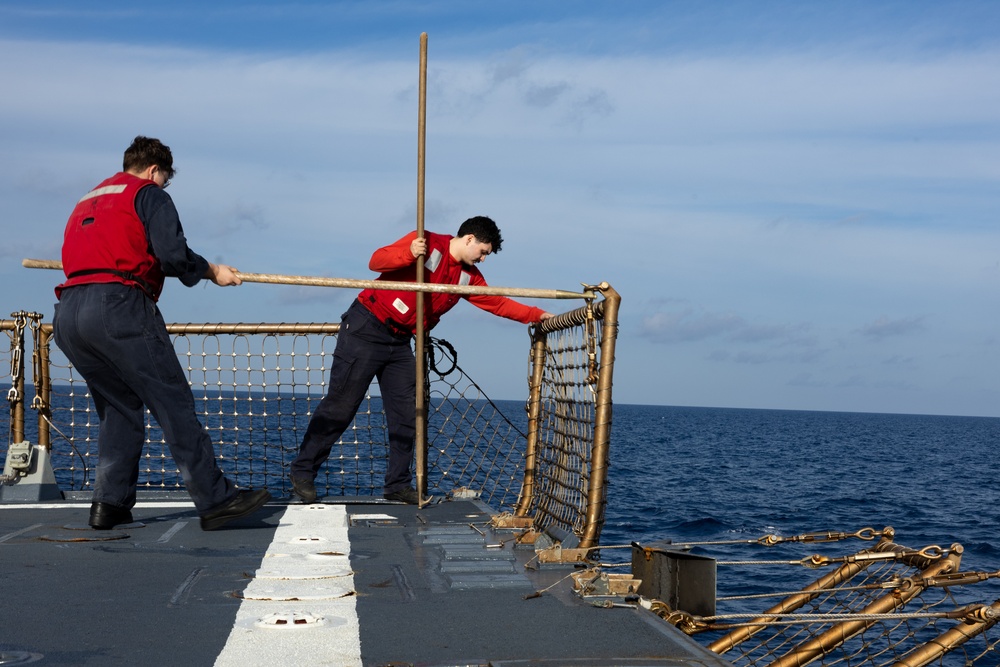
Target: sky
(799, 202)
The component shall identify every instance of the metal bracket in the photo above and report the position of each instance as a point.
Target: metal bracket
(28, 475)
(557, 554)
(507, 521)
(18, 461)
(594, 582)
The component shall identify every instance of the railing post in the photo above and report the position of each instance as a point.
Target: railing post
(28, 475)
(597, 493)
(43, 385)
(534, 407)
(15, 396)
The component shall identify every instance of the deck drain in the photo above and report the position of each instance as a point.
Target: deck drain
(370, 520)
(307, 539)
(290, 620)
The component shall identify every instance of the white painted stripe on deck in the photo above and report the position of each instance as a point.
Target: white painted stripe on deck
(173, 530)
(165, 504)
(306, 583)
(9, 536)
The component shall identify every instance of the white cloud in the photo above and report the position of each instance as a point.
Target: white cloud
(781, 197)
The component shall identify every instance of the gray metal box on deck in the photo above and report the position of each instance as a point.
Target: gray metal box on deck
(684, 581)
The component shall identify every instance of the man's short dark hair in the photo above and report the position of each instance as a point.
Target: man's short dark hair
(146, 152)
(484, 229)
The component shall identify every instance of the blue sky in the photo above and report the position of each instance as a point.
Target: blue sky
(798, 201)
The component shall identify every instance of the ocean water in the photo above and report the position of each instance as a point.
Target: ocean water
(709, 473)
(727, 477)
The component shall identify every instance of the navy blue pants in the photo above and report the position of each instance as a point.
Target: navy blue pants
(115, 338)
(365, 350)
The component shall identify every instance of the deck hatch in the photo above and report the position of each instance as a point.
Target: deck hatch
(472, 580)
(372, 520)
(467, 563)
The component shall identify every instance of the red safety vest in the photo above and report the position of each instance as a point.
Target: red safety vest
(105, 241)
(399, 309)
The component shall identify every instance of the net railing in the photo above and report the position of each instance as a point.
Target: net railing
(566, 433)
(885, 606)
(569, 415)
(255, 389)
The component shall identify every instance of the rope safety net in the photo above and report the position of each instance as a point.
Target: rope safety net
(887, 605)
(256, 385)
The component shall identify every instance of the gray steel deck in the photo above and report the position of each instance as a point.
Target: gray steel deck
(432, 586)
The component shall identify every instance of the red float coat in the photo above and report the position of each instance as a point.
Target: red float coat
(399, 309)
(105, 241)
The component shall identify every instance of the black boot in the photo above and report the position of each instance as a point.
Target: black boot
(104, 516)
(242, 504)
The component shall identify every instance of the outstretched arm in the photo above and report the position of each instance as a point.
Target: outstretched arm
(510, 309)
(503, 306)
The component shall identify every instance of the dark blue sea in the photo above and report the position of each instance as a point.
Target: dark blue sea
(731, 476)
(707, 473)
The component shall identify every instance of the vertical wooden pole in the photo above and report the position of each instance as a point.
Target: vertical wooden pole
(419, 345)
(597, 493)
(43, 338)
(525, 499)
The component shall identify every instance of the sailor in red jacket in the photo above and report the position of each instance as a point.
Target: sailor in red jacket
(374, 342)
(122, 238)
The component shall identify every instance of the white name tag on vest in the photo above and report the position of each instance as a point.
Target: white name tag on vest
(433, 261)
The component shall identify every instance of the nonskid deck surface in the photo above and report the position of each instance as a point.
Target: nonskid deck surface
(352, 582)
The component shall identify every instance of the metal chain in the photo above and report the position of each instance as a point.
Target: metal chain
(815, 561)
(37, 403)
(591, 334)
(16, 362)
(771, 539)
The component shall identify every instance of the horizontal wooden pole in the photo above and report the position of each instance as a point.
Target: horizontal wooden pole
(319, 281)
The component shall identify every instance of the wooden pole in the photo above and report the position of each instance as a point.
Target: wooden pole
(420, 443)
(320, 281)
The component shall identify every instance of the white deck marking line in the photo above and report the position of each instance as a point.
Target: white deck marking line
(173, 531)
(285, 618)
(184, 589)
(166, 504)
(20, 532)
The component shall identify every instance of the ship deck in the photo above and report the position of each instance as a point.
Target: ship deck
(355, 581)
